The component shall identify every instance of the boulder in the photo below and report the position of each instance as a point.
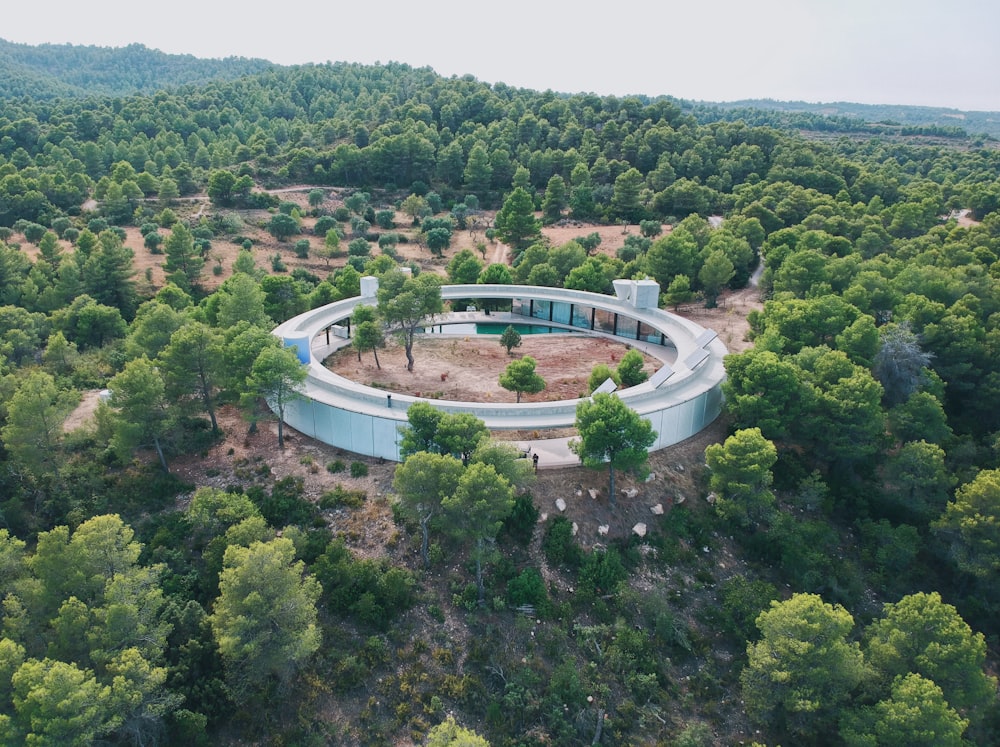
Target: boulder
(603, 529)
(630, 492)
(560, 504)
(657, 510)
(575, 528)
(650, 477)
(593, 493)
(639, 529)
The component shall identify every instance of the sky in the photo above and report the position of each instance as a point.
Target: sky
(913, 52)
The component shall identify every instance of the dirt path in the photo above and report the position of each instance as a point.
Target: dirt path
(500, 254)
(84, 411)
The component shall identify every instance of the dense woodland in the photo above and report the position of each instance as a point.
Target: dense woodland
(858, 490)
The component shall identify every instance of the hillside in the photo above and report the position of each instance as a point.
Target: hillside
(50, 71)
(173, 573)
(885, 118)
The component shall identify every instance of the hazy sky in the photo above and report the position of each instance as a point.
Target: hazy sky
(921, 52)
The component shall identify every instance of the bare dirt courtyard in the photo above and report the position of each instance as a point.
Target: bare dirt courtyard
(468, 368)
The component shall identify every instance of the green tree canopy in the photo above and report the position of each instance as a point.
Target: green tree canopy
(803, 669)
(915, 713)
(970, 526)
(144, 414)
(276, 377)
(265, 620)
(520, 377)
(422, 482)
(510, 339)
(610, 431)
(477, 508)
(406, 302)
(922, 634)
(740, 472)
(515, 222)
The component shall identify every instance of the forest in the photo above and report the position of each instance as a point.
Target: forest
(827, 571)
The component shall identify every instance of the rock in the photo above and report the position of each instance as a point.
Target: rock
(560, 504)
(711, 497)
(680, 467)
(543, 517)
(575, 528)
(657, 510)
(603, 529)
(593, 493)
(639, 529)
(630, 492)
(651, 477)
(579, 493)
(681, 499)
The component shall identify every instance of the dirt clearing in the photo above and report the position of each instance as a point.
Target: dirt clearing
(468, 368)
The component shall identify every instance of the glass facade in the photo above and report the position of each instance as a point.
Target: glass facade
(582, 316)
(588, 317)
(541, 310)
(604, 321)
(560, 312)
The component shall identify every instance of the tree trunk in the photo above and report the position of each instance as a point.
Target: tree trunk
(206, 397)
(479, 572)
(611, 483)
(281, 429)
(377, 364)
(159, 453)
(600, 726)
(408, 347)
(425, 539)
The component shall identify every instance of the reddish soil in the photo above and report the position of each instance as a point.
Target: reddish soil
(468, 368)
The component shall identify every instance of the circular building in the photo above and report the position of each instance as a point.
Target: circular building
(682, 397)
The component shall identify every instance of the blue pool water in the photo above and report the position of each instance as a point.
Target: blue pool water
(487, 328)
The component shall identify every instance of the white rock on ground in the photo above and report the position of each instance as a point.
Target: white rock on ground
(560, 504)
(639, 529)
(603, 529)
(657, 510)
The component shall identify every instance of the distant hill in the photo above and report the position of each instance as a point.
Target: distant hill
(49, 71)
(56, 70)
(971, 122)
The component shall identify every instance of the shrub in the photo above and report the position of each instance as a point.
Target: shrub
(359, 469)
(342, 497)
(520, 523)
(528, 589)
(373, 591)
(324, 224)
(335, 466)
(359, 248)
(302, 248)
(286, 504)
(601, 572)
(558, 544)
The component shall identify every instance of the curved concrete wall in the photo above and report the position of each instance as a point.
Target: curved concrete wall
(679, 400)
